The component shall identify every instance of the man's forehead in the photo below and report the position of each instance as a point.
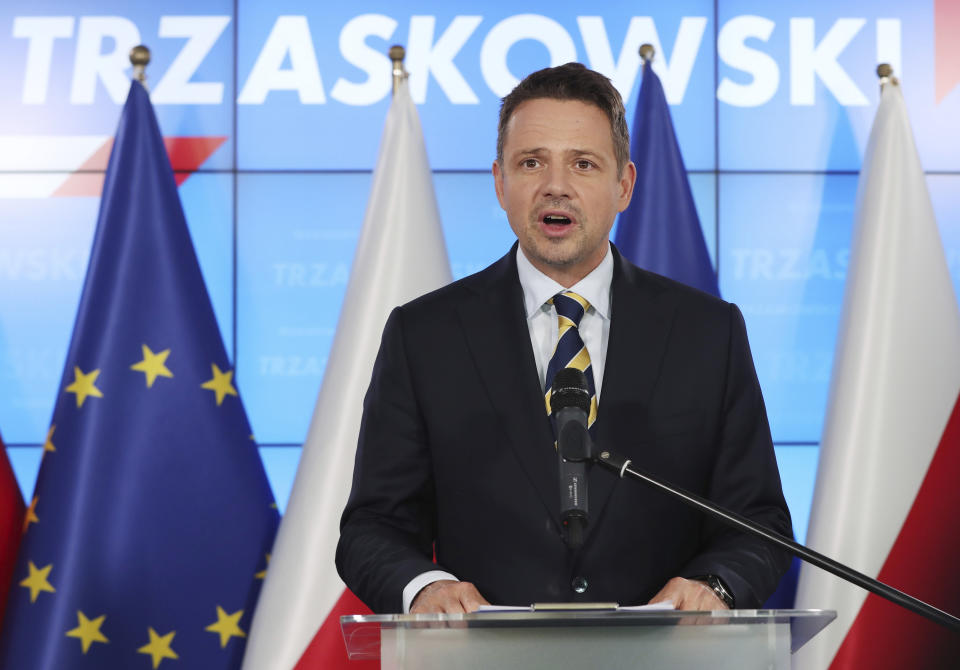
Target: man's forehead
(582, 124)
(548, 102)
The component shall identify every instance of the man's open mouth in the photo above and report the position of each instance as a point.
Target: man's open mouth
(556, 219)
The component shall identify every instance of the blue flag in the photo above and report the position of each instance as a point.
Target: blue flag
(152, 515)
(660, 230)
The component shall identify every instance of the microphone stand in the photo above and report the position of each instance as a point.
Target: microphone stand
(622, 466)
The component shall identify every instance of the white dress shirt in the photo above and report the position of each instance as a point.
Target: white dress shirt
(542, 322)
(544, 329)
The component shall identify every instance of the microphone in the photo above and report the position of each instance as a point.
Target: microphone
(570, 404)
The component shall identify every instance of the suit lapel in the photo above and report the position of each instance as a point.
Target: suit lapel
(641, 320)
(494, 322)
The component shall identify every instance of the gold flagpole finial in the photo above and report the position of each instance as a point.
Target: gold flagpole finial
(139, 57)
(647, 52)
(885, 72)
(397, 53)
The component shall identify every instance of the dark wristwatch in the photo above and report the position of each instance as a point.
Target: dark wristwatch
(718, 587)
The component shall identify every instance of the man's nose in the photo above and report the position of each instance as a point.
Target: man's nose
(556, 182)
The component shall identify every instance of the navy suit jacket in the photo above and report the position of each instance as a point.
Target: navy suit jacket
(456, 458)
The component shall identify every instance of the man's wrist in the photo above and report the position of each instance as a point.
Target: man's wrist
(718, 587)
(419, 582)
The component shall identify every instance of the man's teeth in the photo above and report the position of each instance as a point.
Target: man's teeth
(551, 218)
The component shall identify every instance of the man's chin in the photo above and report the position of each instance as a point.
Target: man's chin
(557, 258)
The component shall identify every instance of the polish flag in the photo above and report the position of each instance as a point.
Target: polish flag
(401, 255)
(887, 497)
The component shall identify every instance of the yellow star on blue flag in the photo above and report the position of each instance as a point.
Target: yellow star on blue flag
(220, 383)
(37, 581)
(84, 385)
(88, 631)
(226, 625)
(159, 647)
(153, 365)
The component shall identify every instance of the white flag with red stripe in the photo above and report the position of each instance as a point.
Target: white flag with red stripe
(887, 497)
(401, 255)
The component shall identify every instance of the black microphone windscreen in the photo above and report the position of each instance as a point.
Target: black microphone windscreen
(569, 390)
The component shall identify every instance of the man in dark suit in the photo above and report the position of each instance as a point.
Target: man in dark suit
(456, 456)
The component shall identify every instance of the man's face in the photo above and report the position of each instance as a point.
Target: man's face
(559, 186)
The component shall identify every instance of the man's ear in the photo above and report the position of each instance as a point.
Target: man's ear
(498, 182)
(627, 181)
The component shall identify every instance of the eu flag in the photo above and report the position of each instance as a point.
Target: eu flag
(152, 515)
(660, 230)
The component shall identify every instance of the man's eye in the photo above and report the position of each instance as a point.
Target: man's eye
(530, 163)
(584, 164)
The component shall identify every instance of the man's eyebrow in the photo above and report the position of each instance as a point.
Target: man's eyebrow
(568, 152)
(526, 152)
(587, 153)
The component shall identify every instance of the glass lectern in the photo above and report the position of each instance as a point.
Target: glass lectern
(585, 640)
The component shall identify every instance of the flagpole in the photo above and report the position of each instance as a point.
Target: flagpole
(139, 58)
(885, 72)
(397, 54)
(647, 52)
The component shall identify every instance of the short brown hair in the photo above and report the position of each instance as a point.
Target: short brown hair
(572, 81)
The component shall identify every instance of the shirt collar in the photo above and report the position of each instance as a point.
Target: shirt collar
(538, 287)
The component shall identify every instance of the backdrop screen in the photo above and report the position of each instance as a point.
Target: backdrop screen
(276, 110)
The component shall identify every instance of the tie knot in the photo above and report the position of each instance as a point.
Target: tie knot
(571, 306)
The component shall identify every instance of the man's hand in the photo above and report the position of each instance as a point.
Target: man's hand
(688, 594)
(445, 596)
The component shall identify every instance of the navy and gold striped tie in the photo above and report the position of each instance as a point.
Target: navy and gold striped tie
(570, 351)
